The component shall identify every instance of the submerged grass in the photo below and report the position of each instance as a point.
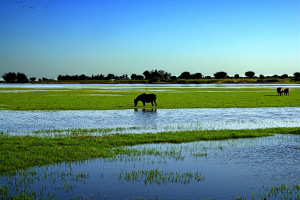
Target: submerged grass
(83, 131)
(155, 176)
(21, 152)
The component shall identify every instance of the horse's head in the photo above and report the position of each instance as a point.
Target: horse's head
(135, 102)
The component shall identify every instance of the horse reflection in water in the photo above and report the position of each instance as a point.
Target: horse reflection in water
(145, 110)
(145, 98)
(147, 118)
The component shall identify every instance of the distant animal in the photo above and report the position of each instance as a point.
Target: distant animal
(279, 91)
(145, 98)
(286, 91)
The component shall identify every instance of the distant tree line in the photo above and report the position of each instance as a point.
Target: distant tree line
(93, 77)
(150, 76)
(12, 77)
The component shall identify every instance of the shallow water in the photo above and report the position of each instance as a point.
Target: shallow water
(229, 169)
(150, 120)
(142, 86)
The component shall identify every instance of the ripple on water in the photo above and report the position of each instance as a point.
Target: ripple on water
(150, 120)
(143, 86)
(240, 167)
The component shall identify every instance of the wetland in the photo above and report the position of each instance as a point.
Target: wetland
(148, 120)
(226, 169)
(201, 141)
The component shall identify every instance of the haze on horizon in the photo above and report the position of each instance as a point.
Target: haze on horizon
(47, 38)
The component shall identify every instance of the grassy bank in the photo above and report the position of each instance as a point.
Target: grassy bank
(21, 152)
(167, 98)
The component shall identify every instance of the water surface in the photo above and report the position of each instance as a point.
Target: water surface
(142, 86)
(230, 168)
(150, 120)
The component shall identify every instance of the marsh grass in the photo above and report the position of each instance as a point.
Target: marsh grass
(83, 132)
(167, 98)
(155, 176)
(65, 179)
(282, 191)
(21, 152)
(19, 185)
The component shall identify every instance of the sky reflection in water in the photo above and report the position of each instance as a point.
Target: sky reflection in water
(150, 120)
(231, 168)
(141, 86)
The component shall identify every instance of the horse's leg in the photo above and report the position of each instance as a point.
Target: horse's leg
(144, 103)
(152, 103)
(155, 102)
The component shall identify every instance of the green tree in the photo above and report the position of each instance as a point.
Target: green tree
(139, 77)
(164, 76)
(185, 75)
(197, 76)
(261, 76)
(147, 75)
(157, 75)
(284, 76)
(22, 78)
(98, 77)
(10, 77)
(220, 75)
(250, 74)
(133, 77)
(297, 75)
(110, 77)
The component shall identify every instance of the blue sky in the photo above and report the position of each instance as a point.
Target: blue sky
(46, 38)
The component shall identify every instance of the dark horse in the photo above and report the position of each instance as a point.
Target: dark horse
(145, 98)
(286, 91)
(280, 90)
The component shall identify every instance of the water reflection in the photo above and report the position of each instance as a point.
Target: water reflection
(150, 120)
(146, 110)
(142, 86)
(230, 168)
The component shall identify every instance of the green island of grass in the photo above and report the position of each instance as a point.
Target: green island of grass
(21, 152)
(167, 98)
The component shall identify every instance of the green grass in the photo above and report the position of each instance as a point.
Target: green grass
(21, 152)
(167, 98)
(159, 176)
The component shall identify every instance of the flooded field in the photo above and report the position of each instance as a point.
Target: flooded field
(256, 168)
(149, 120)
(142, 86)
(249, 168)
